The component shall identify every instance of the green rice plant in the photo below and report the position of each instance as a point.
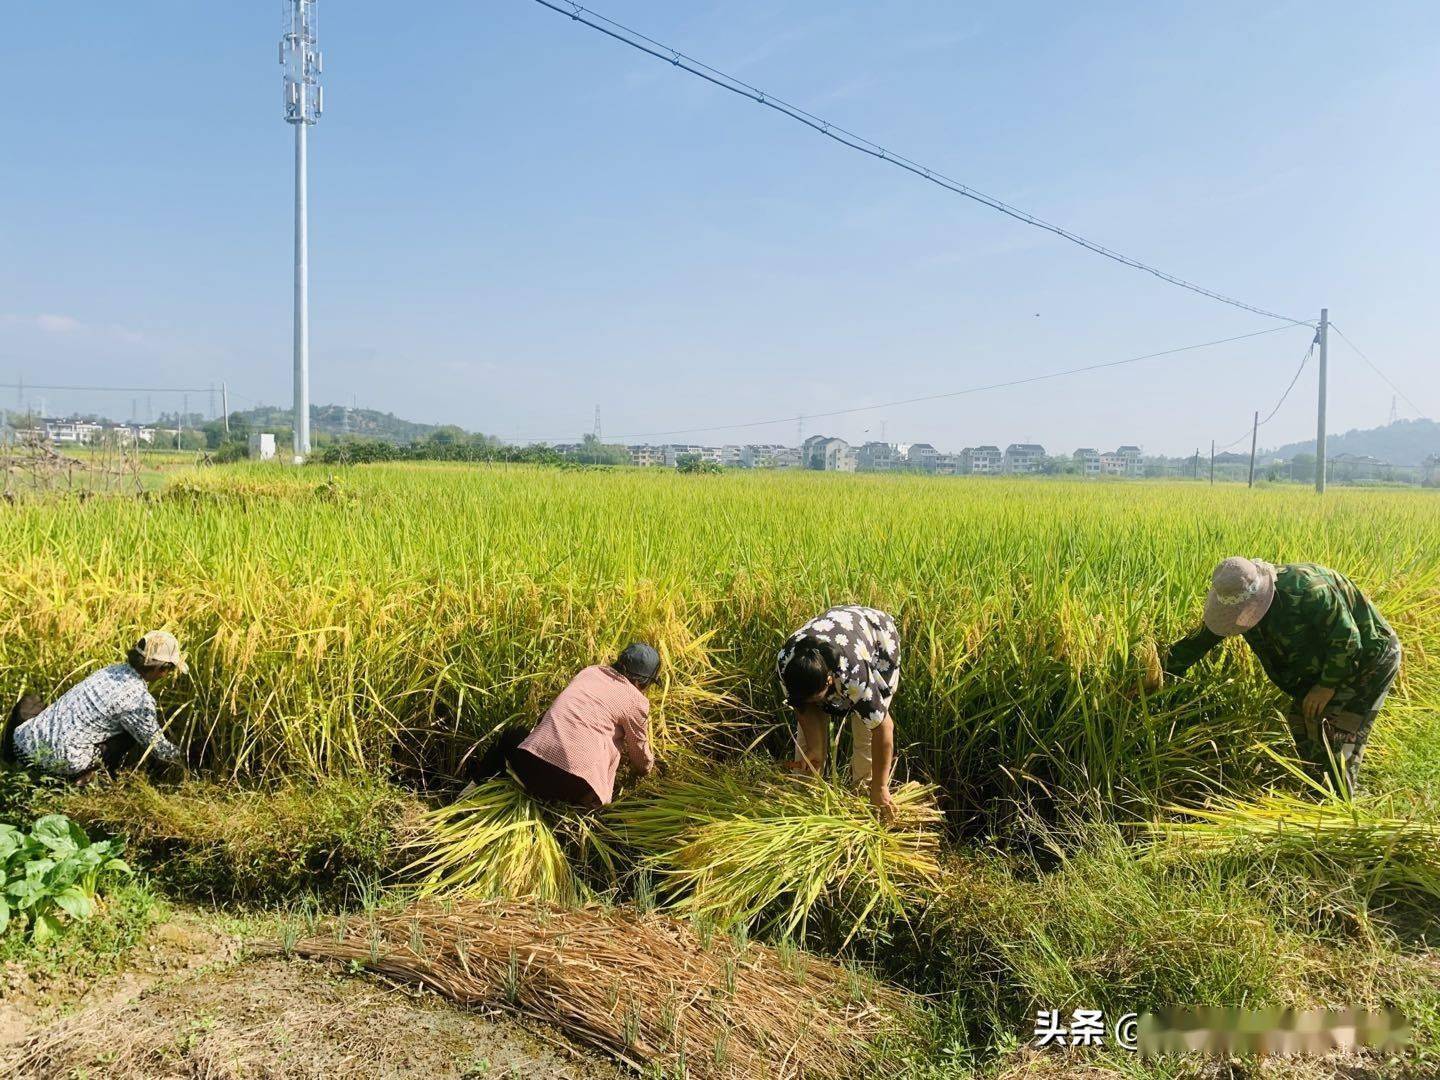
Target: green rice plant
(741, 846)
(499, 842)
(1088, 925)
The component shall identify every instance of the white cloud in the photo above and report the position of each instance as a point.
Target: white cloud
(57, 324)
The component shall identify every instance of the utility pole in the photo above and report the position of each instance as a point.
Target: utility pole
(1324, 336)
(1254, 435)
(799, 431)
(1212, 461)
(304, 102)
(1195, 470)
(225, 404)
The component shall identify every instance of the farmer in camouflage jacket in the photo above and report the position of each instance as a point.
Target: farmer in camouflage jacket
(1319, 639)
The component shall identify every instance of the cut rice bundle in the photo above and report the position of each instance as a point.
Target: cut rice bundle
(743, 846)
(498, 841)
(1327, 835)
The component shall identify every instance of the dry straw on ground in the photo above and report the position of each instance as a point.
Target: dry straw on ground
(273, 1020)
(642, 987)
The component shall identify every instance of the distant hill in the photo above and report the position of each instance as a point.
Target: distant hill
(338, 420)
(1405, 442)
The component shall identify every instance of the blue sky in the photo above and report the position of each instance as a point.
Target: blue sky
(515, 219)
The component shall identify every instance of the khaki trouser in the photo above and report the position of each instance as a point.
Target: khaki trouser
(860, 769)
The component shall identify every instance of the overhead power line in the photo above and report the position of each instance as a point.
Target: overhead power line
(1356, 349)
(637, 40)
(1249, 431)
(961, 393)
(117, 389)
(1303, 361)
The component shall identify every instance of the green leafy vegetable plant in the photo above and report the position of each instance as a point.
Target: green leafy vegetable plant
(51, 872)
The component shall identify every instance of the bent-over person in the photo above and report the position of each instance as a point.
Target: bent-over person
(100, 719)
(1319, 639)
(845, 662)
(573, 754)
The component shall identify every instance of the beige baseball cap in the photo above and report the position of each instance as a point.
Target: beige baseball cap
(160, 647)
(1241, 591)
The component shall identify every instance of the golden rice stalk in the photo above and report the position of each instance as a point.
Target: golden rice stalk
(746, 846)
(1367, 842)
(1152, 672)
(496, 842)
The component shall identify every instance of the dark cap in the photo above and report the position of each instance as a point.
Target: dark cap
(640, 662)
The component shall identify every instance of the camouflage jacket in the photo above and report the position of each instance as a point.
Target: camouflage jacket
(1320, 630)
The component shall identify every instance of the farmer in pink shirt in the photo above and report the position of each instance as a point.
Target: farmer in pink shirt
(574, 751)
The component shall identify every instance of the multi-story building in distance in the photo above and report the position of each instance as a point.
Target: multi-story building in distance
(1024, 458)
(981, 460)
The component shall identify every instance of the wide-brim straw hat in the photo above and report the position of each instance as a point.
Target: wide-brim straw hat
(1241, 591)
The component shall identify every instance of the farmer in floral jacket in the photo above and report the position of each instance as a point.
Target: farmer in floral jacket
(845, 662)
(1319, 639)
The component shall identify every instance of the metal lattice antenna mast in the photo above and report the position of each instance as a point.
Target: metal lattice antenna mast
(304, 101)
(597, 423)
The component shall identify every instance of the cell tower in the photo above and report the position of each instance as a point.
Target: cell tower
(304, 101)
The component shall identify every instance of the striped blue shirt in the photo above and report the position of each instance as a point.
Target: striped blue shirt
(66, 738)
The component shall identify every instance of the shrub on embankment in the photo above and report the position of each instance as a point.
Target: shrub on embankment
(213, 841)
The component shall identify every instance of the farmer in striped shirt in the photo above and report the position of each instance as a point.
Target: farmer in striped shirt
(574, 752)
(100, 719)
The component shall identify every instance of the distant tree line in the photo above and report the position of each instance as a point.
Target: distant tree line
(365, 451)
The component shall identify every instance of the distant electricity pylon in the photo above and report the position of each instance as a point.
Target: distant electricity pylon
(304, 101)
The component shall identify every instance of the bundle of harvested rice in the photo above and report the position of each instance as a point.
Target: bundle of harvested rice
(743, 845)
(500, 842)
(1365, 841)
(642, 987)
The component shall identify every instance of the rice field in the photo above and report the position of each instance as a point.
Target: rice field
(386, 621)
(400, 614)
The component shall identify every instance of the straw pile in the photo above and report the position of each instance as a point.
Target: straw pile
(744, 846)
(644, 988)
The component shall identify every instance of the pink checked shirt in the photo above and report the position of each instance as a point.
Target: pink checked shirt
(597, 717)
